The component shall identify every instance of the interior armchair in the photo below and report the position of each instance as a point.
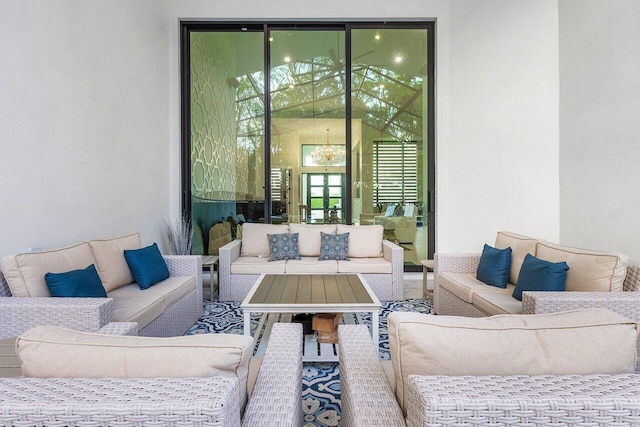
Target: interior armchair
(400, 227)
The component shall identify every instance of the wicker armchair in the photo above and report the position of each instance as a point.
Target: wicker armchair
(18, 315)
(367, 398)
(276, 398)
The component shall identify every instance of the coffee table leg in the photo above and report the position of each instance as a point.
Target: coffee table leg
(375, 330)
(247, 323)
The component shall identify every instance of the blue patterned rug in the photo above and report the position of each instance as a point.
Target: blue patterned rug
(320, 381)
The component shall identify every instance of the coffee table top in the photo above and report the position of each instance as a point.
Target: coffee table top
(298, 292)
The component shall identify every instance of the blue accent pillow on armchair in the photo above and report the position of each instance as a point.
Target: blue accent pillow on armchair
(539, 275)
(494, 266)
(283, 246)
(334, 246)
(147, 265)
(76, 283)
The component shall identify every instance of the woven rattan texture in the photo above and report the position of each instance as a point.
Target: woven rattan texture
(598, 400)
(277, 396)
(451, 305)
(366, 397)
(4, 286)
(632, 280)
(17, 315)
(177, 319)
(119, 328)
(451, 263)
(122, 402)
(186, 265)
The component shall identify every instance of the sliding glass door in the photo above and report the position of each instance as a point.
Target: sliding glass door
(309, 122)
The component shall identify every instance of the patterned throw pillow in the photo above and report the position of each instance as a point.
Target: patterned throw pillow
(334, 246)
(283, 246)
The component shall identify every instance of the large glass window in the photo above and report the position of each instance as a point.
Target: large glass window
(308, 123)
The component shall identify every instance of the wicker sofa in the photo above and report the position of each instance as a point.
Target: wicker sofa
(219, 380)
(595, 279)
(379, 261)
(168, 308)
(570, 368)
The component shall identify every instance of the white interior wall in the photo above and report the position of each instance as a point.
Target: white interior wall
(83, 121)
(90, 113)
(600, 125)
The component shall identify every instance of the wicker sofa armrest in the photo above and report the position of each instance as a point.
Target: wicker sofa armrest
(632, 279)
(366, 396)
(228, 254)
(186, 265)
(523, 400)
(455, 263)
(626, 304)
(277, 395)
(17, 315)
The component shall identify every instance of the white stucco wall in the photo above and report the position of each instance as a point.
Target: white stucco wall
(83, 121)
(90, 113)
(600, 125)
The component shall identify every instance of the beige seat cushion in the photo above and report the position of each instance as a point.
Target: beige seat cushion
(520, 247)
(311, 265)
(254, 238)
(365, 241)
(25, 272)
(588, 270)
(500, 302)
(132, 304)
(593, 341)
(464, 285)
(110, 261)
(377, 265)
(48, 351)
(309, 237)
(257, 265)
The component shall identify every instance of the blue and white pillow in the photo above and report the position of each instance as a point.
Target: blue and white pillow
(283, 246)
(334, 246)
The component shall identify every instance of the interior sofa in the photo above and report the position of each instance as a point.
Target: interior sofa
(379, 261)
(571, 368)
(594, 279)
(167, 308)
(206, 379)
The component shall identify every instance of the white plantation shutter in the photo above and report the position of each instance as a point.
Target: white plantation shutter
(395, 171)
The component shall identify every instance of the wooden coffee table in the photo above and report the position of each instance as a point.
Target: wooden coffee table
(312, 293)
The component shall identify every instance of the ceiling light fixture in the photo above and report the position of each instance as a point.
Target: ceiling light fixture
(328, 155)
(287, 59)
(398, 59)
(377, 36)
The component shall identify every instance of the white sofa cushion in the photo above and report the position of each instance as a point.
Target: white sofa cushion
(254, 238)
(309, 237)
(464, 285)
(132, 304)
(500, 302)
(593, 341)
(588, 270)
(110, 262)
(377, 265)
(520, 246)
(48, 351)
(311, 265)
(257, 265)
(365, 241)
(25, 272)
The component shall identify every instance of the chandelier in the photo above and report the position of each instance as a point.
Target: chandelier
(328, 155)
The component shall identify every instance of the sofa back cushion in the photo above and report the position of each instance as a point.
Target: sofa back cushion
(255, 241)
(25, 272)
(365, 241)
(110, 262)
(593, 341)
(49, 351)
(309, 237)
(520, 247)
(588, 270)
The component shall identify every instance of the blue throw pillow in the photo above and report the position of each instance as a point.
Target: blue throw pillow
(540, 275)
(283, 246)
(147, 265)
(334, 246)
(494, 266)
(76, 283)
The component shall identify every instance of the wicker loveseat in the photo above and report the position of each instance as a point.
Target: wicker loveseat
(168, 308)
(379, 260)
(206, 379)
(594, 279)
(570, 368)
